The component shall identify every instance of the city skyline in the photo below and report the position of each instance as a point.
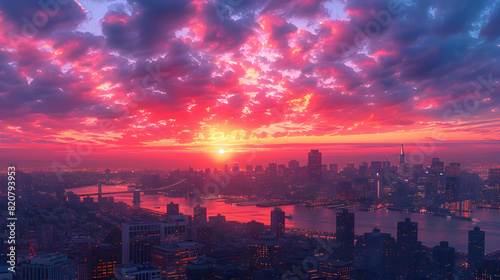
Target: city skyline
(306, 73)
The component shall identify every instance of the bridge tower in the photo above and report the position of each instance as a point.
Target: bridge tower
(99, 193)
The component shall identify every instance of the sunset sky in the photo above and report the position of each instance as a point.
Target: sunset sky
(171, 82)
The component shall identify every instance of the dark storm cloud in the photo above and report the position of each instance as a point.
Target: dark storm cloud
(41, 18)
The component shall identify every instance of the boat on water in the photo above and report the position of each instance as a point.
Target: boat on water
(157, 207)
(289, 217)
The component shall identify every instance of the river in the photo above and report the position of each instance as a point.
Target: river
(431, 229)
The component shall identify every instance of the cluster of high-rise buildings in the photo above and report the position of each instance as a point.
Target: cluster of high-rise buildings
(114, 241)
(182, 247)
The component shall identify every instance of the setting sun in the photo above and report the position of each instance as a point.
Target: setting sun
(221, 151)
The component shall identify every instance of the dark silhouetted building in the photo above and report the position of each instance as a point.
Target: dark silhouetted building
(172, 208)
(335, 269)
(199, 269)
(293, 164)
(273, 168)
(254, 229)
(278, 222)
(217, 221)
(199, 216)
(205, 235)
(407, 235)
(172, 258)
(138, 239)
(444, 260)
(49, 266)
(376, 246)
(407, 247)
(46, 235)
(103, 260)
(491, 270)
(345, 234)
(436, 165)
(314, 165)
(266, 252)
(476, 249)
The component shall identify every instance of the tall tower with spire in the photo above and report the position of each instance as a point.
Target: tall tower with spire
(402, 162)
(402, 156)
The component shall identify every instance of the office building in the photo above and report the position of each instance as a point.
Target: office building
(138, 238)
(254, 229)
(476, 249)
(491, 270)
(335, 269)
(437, 166)
(199, 216)
(444, 260)
(266, 252)
(314, 165)
(278, 222)
(407, 235)
(273, 168)
(200, 269)
(172, 208)
(49, 266)
(206, 235)
(172, 258)
(376, 248)
(103, 260)
(345, 234)
(218, 220)
(46, 237)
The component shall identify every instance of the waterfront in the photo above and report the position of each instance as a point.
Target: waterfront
(432, 229)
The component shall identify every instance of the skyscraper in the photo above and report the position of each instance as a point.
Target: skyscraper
(172, 258)
(444, 259)
(273, 168)
(376, 244)
(402, 156)
(266, 252)
(407, 247)
(278, 222)
(402, 163)
(103, 261)
(437, 166)
(386, 164)
(407, 235)
(314, 165)
(138, 239)
(46, 235)
(172, 208)
(476, 249)
(453, 182)
(345, 234)
(199, 216)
